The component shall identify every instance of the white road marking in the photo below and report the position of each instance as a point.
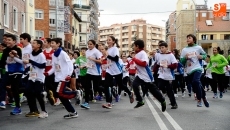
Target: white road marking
(170, 119)
(156, 116)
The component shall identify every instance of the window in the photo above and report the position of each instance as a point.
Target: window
(204, 14)
(79, 27)
(31, 2)
(174, 39)
(39, 34)
(226, 36)
(39, 14)
(204, 37)
(52, 34)
(15, 18)
(227, 17)
(79, 14)
(211, 37)
(80, 39)
(197, 14)
(52, 22)
(31, 26)
(23, 23)
(210, 14)
(6, 13)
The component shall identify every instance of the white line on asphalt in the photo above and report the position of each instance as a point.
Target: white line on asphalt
(170, 119)
(156, 116)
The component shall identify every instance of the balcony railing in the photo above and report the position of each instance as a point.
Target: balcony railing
(81, 6)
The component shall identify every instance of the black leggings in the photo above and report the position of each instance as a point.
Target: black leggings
(109, 84)
(218, 79)
(178, 83)
(34, 91)
(88, 86)
(15, 81)
(49, 85)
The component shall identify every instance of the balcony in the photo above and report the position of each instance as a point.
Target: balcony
(103, 39)
(84, 7)
(83, 30)
(125, 43)
(125, 49)
(125, 36)
(52, 3)
(82, 43)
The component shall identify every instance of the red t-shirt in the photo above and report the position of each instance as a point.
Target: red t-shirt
(103, 67)
(132, 68)
(48, 56)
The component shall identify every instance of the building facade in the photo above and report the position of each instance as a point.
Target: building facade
(136, 29)
(13, 19)
(87, 10)
(199, 20)
(30, 18)
(171, 31)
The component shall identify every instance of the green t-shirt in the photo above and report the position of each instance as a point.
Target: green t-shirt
(228, 59)
(217, 63)
(3, 71)
(81, 61)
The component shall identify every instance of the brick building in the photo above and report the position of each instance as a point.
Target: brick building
(171, 31)
(136, 29)
(13, 16)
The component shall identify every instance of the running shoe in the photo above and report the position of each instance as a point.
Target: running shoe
(199, 104)
(51, 97)
(139, 104)
(43, 114)
(206, 103)
(16, 111)
(215, 95)
(221, 95)
(174, 106)
(131, 97)
(107, 105)
(32, 114)
(85, 105)
(71, 115)
(163, 106)
(2, 106)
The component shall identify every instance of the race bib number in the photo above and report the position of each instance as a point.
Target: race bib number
(48, 62)
(26, 56)
(104, 67)
(164, 63)
(191, 54)
(89, 65)
(214, 64)
(57, 68)
(33, 75)
(10, 60)
(132, 66)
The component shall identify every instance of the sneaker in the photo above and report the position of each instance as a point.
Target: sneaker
(85, 105)
(94, 100)
(71, 115)
(174, 106)
(16, 111)
(183, 94)
(199, 104)
(189, 94)
(163, 106)
(175, 95)
(99, 98)
(43, 114)
(58, 102)
(125, 93)
(221, 95)
(206, 103)
(107, 105)
(131, 97)
(23, 99)
(215, 95)
(2, 106)
(51, 97)
(139, 104)
(32, 114)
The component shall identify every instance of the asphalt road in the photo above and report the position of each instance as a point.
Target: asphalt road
(124, 117)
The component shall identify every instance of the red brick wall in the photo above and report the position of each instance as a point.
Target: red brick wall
(42, 24)
(20, 5)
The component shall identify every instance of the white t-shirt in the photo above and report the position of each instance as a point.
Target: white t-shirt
(124, 69)
(166, 73)
(36, 74)
(92, 67)
(114, 68)
(144, 73)
(62, 66)
(208, 73)
(193, 62)
(26, 51)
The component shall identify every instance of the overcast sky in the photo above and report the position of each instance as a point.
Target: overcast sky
(111, 7)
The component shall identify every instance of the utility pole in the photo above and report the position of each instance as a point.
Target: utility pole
(56, 15)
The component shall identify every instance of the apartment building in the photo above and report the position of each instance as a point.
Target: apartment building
(13, 16)
(29, 18)
(128, 32)
(210, 31)
(47, 15)
(171, 31)
(87, 10)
